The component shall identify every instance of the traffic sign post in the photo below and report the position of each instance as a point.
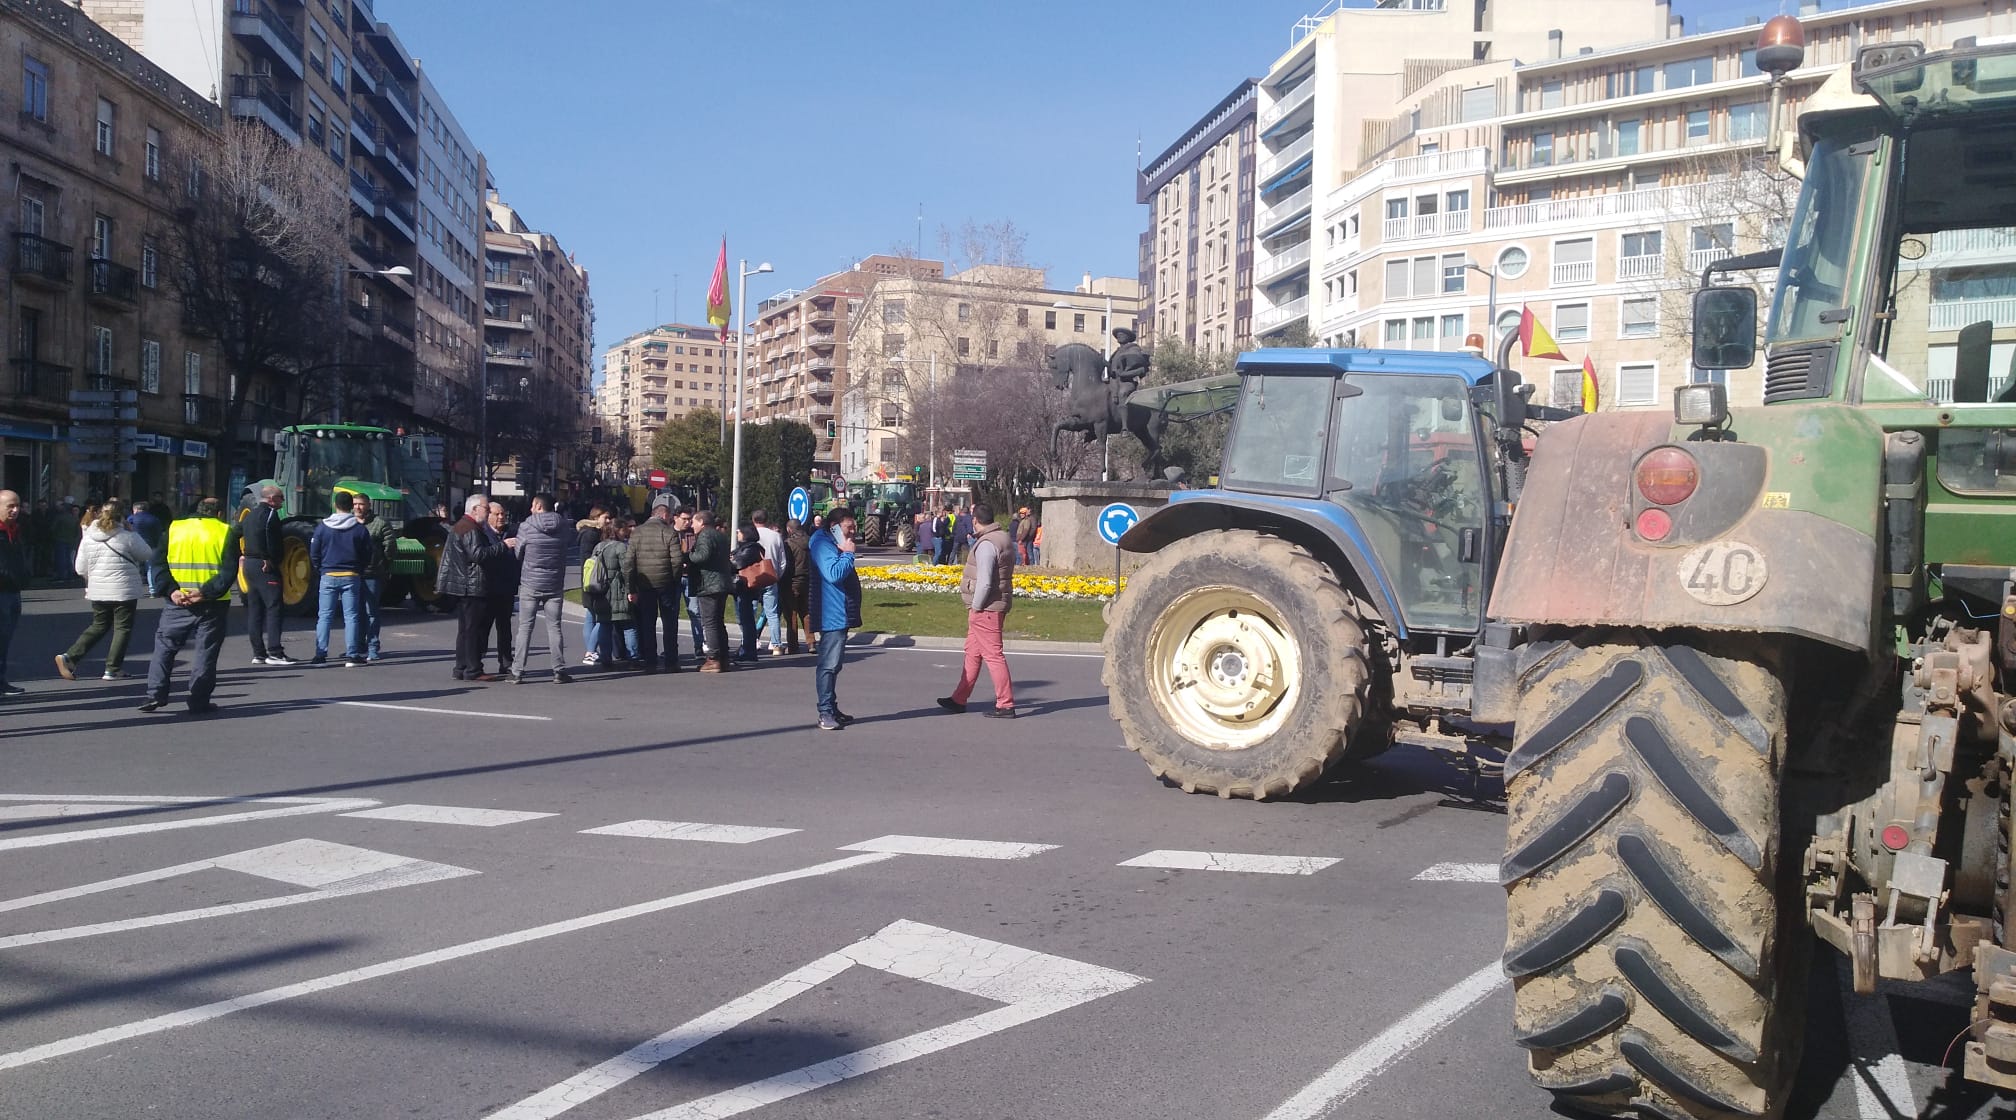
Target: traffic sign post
(799, 506)
(1114, 521)
(658, 479)
(969, 466)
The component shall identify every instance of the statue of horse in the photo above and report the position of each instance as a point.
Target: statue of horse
(1099, 406)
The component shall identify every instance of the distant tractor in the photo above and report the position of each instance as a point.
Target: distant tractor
(886, 509)
(1331, 594)
(314, 462)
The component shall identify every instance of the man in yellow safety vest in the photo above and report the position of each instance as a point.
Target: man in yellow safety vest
(203, 553)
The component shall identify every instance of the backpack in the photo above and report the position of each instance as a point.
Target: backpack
(594, 585)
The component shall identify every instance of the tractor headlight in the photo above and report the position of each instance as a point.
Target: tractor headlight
(1703, 403)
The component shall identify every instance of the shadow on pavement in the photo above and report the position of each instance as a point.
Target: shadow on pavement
(145, 986)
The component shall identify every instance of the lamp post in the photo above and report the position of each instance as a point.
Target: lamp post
(743, 273)
(1105, 447)
(1491, 300)
(933, 390)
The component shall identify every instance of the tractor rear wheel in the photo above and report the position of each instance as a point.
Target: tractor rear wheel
(1236, 665)
(1655, 953)
(297, 575)
(906, 537)
(873, 529)
(426, 596)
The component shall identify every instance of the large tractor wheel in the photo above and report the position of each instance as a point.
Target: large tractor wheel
(1236, 665)
(426, 595)
(873, 530)
(906, 537)
(297, 575)
(1656, 959)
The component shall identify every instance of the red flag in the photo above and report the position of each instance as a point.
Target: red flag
(1591, 395)
(718, 309)
(1534, 341)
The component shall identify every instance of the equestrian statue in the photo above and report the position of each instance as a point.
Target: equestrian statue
(1100, 388)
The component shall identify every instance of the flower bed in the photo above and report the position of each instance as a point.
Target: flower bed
(945, 577)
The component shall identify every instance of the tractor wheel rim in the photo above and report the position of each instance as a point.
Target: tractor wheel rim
(1224, 668)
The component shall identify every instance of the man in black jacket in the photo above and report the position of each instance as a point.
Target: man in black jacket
(652, 570)
(469, 547)
(259, 567)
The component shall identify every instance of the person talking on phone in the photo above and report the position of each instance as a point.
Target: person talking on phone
(836, 609)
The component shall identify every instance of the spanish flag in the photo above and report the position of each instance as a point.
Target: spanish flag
(718, 309)
(1591, 397)
(1534, 341)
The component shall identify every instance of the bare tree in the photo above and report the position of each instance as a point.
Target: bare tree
(256, 257)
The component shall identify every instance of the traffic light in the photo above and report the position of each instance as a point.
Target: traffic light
(832, 429)
(917, 474)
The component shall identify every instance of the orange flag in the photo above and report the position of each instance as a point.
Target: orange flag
(1534, 341)
(1591, 396)
(718, 311)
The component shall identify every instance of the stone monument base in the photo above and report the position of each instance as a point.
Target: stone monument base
(1071, 540)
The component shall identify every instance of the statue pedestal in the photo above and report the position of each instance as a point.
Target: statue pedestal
(1071, 540)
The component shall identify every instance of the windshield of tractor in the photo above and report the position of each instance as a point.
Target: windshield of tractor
(334, 456)
(904, 494)
(1813, 279)
(412, 472)
(1276, 445)
(1405, 462)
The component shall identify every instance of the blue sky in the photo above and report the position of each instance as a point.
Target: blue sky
(639, 131)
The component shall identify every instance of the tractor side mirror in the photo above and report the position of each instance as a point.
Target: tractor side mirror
(1452, 409)
(1725, 328)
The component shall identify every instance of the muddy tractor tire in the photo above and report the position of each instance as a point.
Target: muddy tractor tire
(298, 594)
(1236, 665)
(874, 529)
(426, 596)
(1656, 963)
(906, 537)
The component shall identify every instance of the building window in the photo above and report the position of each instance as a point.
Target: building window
(150, 265)
(1424, 333)
(892, 310)
(1640, 318)
(1627, 137)
(1638, 384)
(35, 89)
(194, 186)
(315, 133)
(1550, 94)
(1512, 263)
(1396, 334)
(1022, 349)
(339, 73)
(101, 237)
(965, 346)
(1571, 322)
(1508, 322)
(1690, 72)
(1565, 388)
(1480, 103)
(192, 373)
(965, 312)
(1575, 261)
(1543, 149)
(1078, 323)
(993, 348)
(153, 164)
(101, 351)
(1049, 320)
(1747, 121)
(1396, 208)
(1021, 316)
(1452, 332)
(1454, 267)
(150, 366)
(107, 127)
(892, 344)
(31, 215)
(1697, 126)
(1457, 202)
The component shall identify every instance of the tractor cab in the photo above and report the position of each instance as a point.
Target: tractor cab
(316, 461)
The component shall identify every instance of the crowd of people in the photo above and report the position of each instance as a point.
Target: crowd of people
(503, 580)
(945, 535)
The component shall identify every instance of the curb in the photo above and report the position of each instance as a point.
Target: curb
(876, 639)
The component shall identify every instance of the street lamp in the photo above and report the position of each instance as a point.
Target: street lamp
(744, 272)
(1105, 448)
(933, 360)
(1491, 300)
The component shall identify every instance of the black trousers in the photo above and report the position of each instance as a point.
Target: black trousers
(202, 624)
(652, 606)
(713, 625)
(263, 612)
(500, 621)
(472, 633)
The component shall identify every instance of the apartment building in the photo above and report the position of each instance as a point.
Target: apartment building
(95, 144)
(537, 325)
(1325, 103)
(1196, 268)
(916, 334)
(660, 375)
(1600, 187)
(450, 276)
(798, 356)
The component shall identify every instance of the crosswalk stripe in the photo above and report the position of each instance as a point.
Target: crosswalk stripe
(690, 830)
(448, 814)
(945, 846)
(1230, 861)
(1459, 873)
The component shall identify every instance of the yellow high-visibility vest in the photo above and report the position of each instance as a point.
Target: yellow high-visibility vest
(195, 549)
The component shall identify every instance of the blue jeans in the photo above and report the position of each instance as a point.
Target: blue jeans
(368, 604)
(340, 591)
(591, 634)
(618, 636)
(745, 617)
(773, 620)
(693, 624)
(832, 644)
(10, 617)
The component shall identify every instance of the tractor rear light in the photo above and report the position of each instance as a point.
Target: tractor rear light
(1896, 837)
(1668, 476)
(1654, 524)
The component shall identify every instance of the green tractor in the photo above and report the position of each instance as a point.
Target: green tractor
(885, 510)
(314, 462)
(1761, 661)
(827, 497)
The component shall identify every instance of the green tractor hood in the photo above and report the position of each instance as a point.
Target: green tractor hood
(378, 492)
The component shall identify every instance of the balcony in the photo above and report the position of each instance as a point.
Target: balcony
(365, 131)
(1426, 225)
(362, 314)
(1648, 266)
(821, 338)
(1289, 102)
(1286, 157)
(1283, 210)
(1999, 242)
(501, 319)
(1951, 315)
(1428, 165)
(1287, 262)
(503, 356)
(1939, 390)
(363, 192)
(1275, 317)
(113, 284)
(514, 279)
(1698, 259)
(256, 22)
(396, 331)
(202, 413)
(390, 157)
(364, 73)
(1658, 202)
(1566, 273)
(396, 214)
(45, 382)
(255, 98)
(820, 316)
(396, 98)
(819, 365)
(40, 261)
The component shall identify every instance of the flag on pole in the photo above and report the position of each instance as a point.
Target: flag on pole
(1591, 396)
(1534, 341)
(718, 309)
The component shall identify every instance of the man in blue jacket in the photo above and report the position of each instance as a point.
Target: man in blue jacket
(836, 609)
(341, 551)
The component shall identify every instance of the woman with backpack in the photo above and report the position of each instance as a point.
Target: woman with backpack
(606, 594)
(113, 561)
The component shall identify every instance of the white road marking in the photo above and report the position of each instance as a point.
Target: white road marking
(1368, 1061)
(942, 846)
(1882, 1081)
(1459, 873)
(1230, 861)
(1031, 984)
(449, 814)
(438, 711)
(290, 807)
(217, 1010)
(56, 812)
(690, 830)
(333, 870)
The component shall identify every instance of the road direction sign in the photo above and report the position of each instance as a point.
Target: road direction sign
(1115, 520)
(969, 466)
(658, 479)
(799, 506)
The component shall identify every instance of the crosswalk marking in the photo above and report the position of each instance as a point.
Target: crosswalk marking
(1230, 861)
(945, 846)
(448, 814)
(287, 807)
(690, 830)
(57, 811)
(1459, 873)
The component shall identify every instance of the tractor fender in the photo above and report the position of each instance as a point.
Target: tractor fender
(1574, 558)
(1327, 531)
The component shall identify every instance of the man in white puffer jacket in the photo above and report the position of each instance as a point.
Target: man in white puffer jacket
(113, 561)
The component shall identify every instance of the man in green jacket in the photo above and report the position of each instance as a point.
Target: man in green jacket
(384, 546)
(653, 568)
(711, 575)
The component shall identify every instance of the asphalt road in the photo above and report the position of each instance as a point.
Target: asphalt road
(379, 892)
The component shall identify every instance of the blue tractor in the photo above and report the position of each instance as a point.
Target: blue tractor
(1331, 593)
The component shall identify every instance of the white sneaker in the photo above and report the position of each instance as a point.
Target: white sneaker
(114, 675)
(258, 661)
(280, 659)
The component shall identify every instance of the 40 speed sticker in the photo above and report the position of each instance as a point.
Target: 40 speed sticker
(1723, 573)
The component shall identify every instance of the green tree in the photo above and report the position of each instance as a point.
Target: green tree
(689, 449)
(776, 457)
